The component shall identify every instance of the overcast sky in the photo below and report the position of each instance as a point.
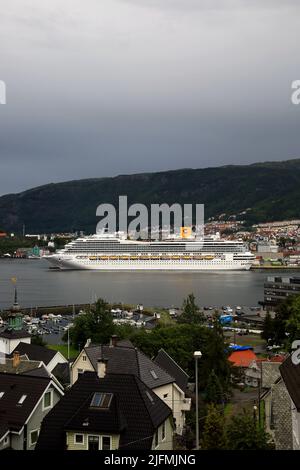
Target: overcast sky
(105, 87)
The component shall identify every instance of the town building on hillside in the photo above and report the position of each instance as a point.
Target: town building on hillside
(14, 332)
(105, 411)
(34, 352)
(123, 358)
(290, 374)
(24, 402)
(277, 409)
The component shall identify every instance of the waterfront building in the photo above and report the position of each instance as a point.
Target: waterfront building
(277, 289)
(14, 332)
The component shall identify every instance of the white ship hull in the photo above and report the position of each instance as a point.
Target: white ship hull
(109, 253)
(182, 265)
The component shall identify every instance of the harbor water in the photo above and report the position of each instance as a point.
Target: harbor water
(40, 286)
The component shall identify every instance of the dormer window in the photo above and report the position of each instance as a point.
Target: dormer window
(101, 400)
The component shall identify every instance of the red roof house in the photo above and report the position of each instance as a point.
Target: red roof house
(242, 358)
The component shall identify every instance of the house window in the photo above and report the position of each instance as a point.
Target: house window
(163, 431)
(33, 437)
(84, 358)
(156, 439)
(166, 395)
(47, 403)
(93, 443)
(106, 443)
(80, 371)
(6, 441)
(78, 438)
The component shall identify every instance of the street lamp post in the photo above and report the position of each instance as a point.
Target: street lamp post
(197, 355)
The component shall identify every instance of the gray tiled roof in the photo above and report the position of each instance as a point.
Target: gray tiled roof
(14, 334)
(136, 412)
(291, 377)
(23, 366)
(128, 360)
(35, 352)
(168, 364)
(13, 417)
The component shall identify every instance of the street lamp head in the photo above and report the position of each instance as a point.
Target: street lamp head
(197, 354)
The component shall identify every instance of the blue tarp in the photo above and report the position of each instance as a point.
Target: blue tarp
(225, 319)
(236, 347)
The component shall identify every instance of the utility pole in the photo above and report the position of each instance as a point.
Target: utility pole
(68, 343)
(259, 394)
(197, 355)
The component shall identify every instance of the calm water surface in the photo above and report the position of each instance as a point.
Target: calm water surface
(39, 286)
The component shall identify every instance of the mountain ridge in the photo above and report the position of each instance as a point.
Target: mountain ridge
(270, 189)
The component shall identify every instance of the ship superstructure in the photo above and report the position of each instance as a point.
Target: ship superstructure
(117, 253)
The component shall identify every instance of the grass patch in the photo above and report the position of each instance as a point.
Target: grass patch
(228, 410)
(63, 349)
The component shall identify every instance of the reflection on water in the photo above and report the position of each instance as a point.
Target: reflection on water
(40, 286)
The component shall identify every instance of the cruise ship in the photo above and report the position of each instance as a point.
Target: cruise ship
(115, 252)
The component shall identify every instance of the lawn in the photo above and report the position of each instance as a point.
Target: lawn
(246, 340)
(63, 349)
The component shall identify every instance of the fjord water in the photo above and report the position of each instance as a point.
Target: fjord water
(40, 286)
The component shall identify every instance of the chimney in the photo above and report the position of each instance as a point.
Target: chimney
(88, 342)
(16, 359)
(113, 341)
(101, 368)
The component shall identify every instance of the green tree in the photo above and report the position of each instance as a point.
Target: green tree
(215, 355)
(214, 391)
(180, 341)
(292, 324)
(268, 327)
(243, 433)
(287, 320)
(191, 312)
(96, 324)
(214, 433)
(38, 340)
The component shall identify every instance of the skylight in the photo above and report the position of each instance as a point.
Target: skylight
(101, 400)
(154, 375)
(22, 399)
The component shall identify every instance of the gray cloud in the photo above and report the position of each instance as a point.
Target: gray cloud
(120, 86)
